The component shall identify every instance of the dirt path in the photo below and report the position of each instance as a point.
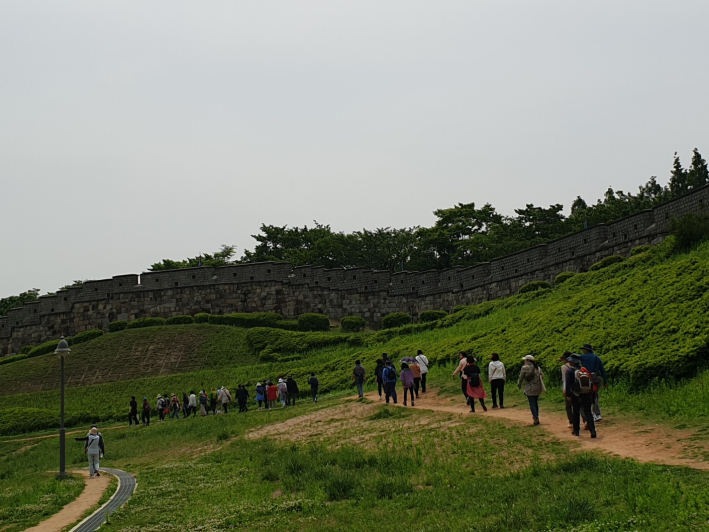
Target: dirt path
(76, 509)
(628, 439)
(84, 431)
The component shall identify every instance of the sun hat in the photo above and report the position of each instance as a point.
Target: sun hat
(280, 381)
(528, 357)
(574, 358)
(258, 384)
(587, 347)
(159, 396)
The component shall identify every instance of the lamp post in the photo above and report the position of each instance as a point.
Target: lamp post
(62, 349)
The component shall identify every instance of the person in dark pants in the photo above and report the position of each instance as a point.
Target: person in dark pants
(293, 390)
(161, 407)
(378, 376)
(390, 378)
(579, 384)
(213, 401)
(359, 375)
(423, 364)
(314, 385)
(497, 377)
(463, 379)
(133, 412)
(242, 397)
(185, 405)
(593, 363)
(146, 412)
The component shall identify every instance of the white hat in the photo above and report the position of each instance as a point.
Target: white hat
(258, 384)
(280, 381)
(528, 357)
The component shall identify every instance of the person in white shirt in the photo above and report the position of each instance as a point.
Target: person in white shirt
(193, 403)
(463, 378)
(423, 364)
(497, 377)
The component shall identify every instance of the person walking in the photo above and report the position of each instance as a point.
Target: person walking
(423, 363)
(407, 381)
(580, 387)
(260, 395)
(146, 412)
(226, 399)
(213, 401)
(293, 390)
(175, 406)
(242, 396)
(283, 392)
(359, 375)
(185, 405)
(203, 402)
(497, 377)
(133, 412)
(193, 403)
(416, 370)
(314, 385)
(94, 449)
(531, 377)
(462, 363)
(568, 402)
(161, 407)
(475, 384)
(378, 376)
(390, 378)
(593, 363)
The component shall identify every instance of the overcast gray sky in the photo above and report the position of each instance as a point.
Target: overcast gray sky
(136, 131)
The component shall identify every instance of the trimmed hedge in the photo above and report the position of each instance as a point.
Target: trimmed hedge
(246, 320)
(396, 319)
(116, 326)
(146, 322)
(85, 336)
(180, 320)
(608, 261)
(276, 345)
(640, 249)
(288, 325)
(202, 317)
(432, 315)
(311, 322)
(563, 277)
(353, 324)
(45, 348)
(13, 358)
(458, 308)
(534, 285)
(26, 349)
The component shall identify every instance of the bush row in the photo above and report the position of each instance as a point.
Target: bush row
(51, 346)
(274, 344)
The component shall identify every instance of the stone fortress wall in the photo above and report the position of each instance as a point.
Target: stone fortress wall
(279, 287)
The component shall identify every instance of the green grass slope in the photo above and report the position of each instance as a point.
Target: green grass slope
(131, 354)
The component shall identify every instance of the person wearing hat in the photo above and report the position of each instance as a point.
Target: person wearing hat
(94, 450)
(497, 378)
(161, 407)
(579, 388)
(569, 405)
(175, 406)
(283, 392)
(531, 377)
(593, 363)
(260, 395)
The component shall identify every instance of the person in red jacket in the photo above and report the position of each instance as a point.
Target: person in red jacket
(271, 394)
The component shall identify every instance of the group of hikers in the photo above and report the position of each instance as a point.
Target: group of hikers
(217, 401)
(582, 376)
(414, 371)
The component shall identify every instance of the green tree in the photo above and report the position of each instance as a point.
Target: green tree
(697, 174)
(218, 258)
(11, 302)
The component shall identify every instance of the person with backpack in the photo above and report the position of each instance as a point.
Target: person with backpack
(390, 378)
(423, 364)
(203, 402)
(378, 376)
(260, 395)
(359, 375)
(475, 384)
(566, 366)
(213, 401)
(531, 377)
(314, 385)
(463, 361)
(133, 412)
(283, 392)
(226, 398)
(175, 405)
(94, 449)
(146, 412)
(193, 403)
(185, 405)
(580, 388)
(242, 396)
(593, 363)
(407, 381)
(416, 370)
(293, 390)
(161, 407)
(497, 378)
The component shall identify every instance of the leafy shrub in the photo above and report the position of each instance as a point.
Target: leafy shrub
(341, 486)
(353, 324)
(85, 336)
(271, 344)
(689, 230)
(608, 261)
(533, 286)
(288, 325)
(26, 349)
(43, 349)
(247, 319)
(458, 308)
(432, 315)
(396, 319)
(202, 317)
(18, 420)
(146, 322)
(180, 320)
(640, 249)
(116, 326)
(310, 322)
(563, 277)
(14, 358)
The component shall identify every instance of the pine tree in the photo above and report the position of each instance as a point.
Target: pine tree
(698, 174)
(678, 178)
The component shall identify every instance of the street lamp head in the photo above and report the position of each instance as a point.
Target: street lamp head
(62, 348)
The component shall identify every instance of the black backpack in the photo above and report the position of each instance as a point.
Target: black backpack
(474, 380)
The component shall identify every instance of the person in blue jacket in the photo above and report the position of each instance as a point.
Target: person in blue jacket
(593, 363)
(389, 376)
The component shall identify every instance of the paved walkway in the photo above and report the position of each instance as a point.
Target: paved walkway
(126, 487)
